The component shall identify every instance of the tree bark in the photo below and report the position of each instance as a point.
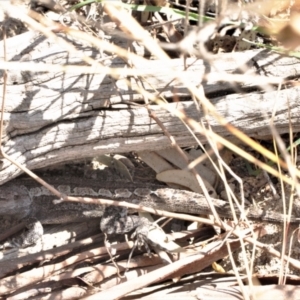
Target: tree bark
(56, 117)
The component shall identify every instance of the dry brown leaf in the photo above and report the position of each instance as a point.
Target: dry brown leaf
(177, 160)
(154, 161)
(186, 179)
(118, 162)
(217, 267)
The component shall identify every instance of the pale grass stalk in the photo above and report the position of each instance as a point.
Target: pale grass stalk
(199, 129)
(94, 69)
(195, 173)
(290, 160)
(253, 79)
(135, 30)
(180, 76)
(14, 282)
(2, 152)
(237, 274)
(139, 33)
(95, 65)
(278, 173)
(233, 201)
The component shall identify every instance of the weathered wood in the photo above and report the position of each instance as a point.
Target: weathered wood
(55, 117)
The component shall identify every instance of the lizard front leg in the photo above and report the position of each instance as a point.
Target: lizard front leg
(115, 220)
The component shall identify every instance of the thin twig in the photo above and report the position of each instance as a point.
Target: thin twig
(223, 225)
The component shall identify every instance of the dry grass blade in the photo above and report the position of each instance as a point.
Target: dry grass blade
(209, 255)
(9, 266)
(91, 103)
(12, 283)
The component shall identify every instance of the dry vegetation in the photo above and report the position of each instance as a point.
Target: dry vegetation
(209, 103)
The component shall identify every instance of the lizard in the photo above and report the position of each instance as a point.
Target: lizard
(26, 199)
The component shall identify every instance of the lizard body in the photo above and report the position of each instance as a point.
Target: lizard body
(26, 198)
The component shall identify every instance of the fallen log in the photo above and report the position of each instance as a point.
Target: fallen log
(57, 117)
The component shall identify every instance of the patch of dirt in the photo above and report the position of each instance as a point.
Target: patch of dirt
(266, 192)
